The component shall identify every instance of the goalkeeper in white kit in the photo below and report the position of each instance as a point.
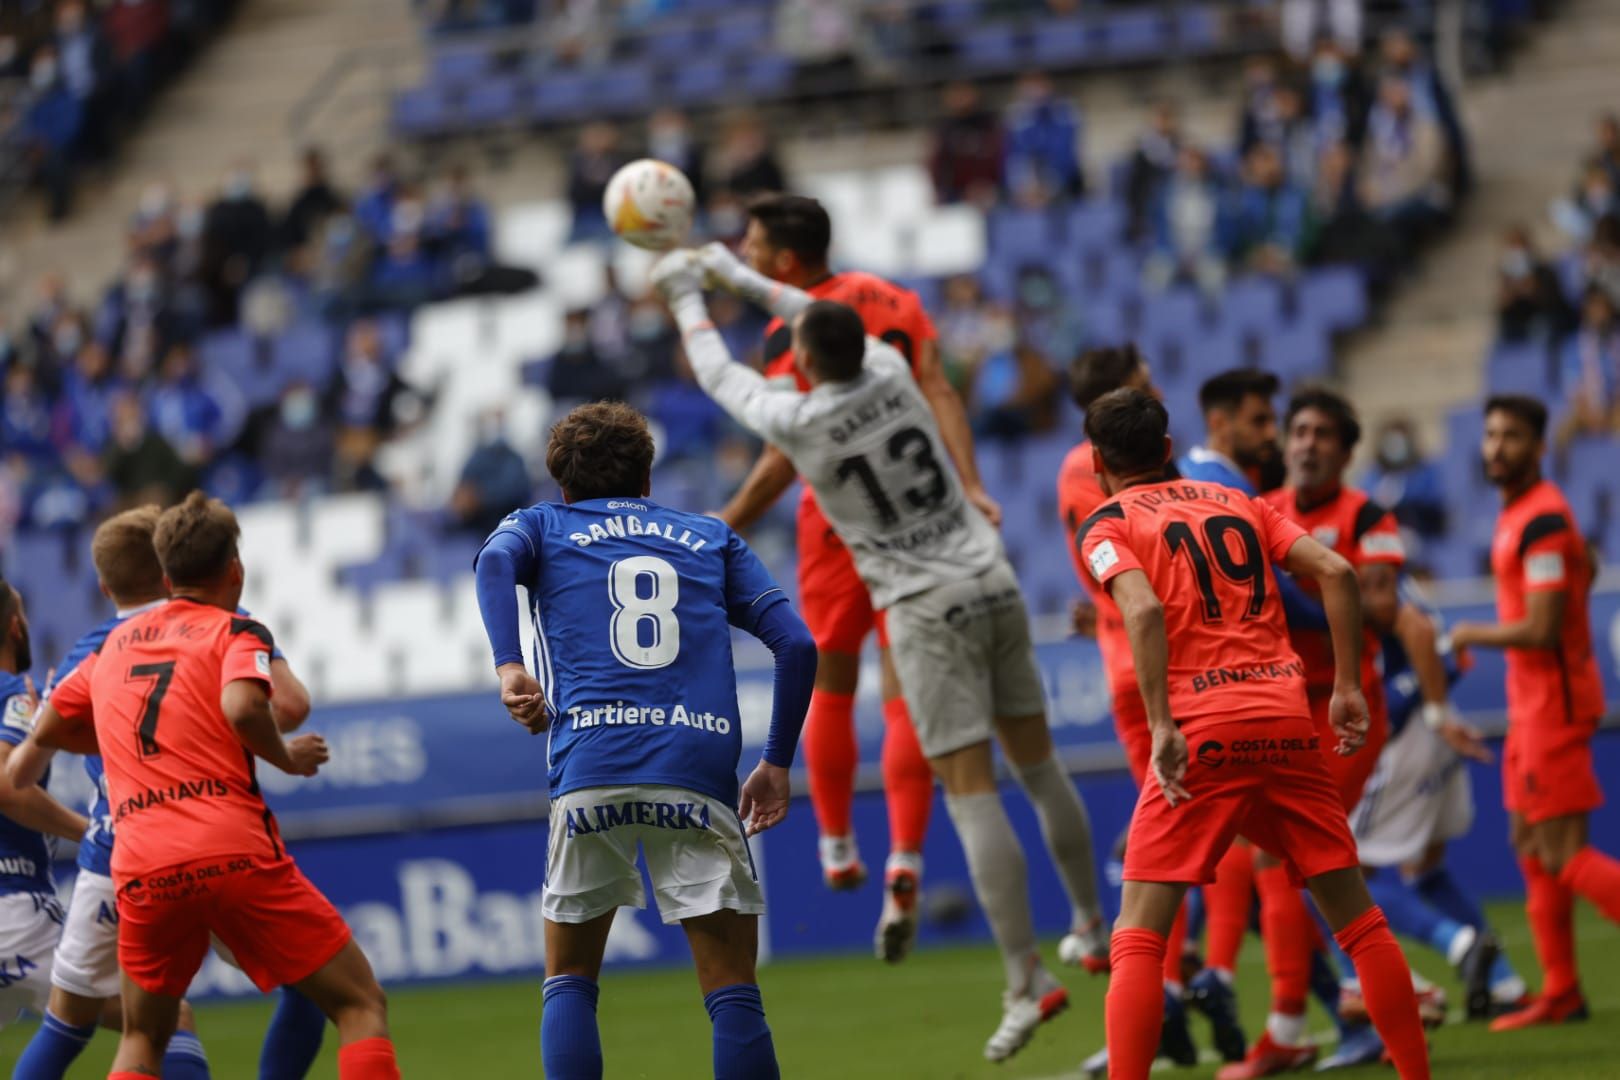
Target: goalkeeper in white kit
(866, 441)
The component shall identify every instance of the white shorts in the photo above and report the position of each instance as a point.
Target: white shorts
(697, 855)
(1418, 795)
(964, 657)
(87, 958)
(30, 927)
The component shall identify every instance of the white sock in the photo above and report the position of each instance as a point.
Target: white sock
(1000, 878)
(1461, 942)
(1286, 1030)
(838, 851)
(1066, 828)
(904, 860)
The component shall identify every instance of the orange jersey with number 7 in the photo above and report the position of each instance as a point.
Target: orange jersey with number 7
(1207, 550)
(180, 783)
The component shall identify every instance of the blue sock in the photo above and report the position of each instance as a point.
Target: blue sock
(742, 1040)
(570, 1045)
(293, 1039)
(184, 1059)
(1441, 890)
(1410, 913)
(1195, 914)
(52, 1049)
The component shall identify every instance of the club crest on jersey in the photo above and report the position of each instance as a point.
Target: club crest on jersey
(1326, 535)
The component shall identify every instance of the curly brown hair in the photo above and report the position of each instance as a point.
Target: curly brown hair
(125, 559)
(601, 451)
(196, 540)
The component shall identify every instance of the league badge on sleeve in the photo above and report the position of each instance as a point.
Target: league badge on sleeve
(261, 662)
(19, 713)
(1103, 558)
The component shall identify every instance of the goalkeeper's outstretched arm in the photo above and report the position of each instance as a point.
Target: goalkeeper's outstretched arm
(724, 269)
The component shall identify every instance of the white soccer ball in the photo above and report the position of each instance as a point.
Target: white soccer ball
(650, 204)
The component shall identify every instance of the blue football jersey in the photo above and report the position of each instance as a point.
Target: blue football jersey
(1204, 464)
(25, 855)
(632, 605)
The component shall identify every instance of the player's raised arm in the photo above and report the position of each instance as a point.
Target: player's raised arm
(954, 429)
(728, 272)
(741, 391)
(506, 561)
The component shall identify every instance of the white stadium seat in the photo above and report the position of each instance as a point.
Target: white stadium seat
(531, 234)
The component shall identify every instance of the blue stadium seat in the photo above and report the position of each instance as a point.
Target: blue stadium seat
(768, 75)
(422, 111)
(491, 101)
(304, 351)
(1297, 353)
(1334, 297)
(1095, 224)
(678, 41)
(460, 64)
(1197, 28)
(1252, 305)
(1133, 35)
(992, 48)
(562, 95)
(1064, 42)
(741, 32)
(1180, 312)
(624, 88)
(700, 84)
(1519, 368)
(1025, 235)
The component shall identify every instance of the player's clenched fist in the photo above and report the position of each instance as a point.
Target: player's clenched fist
(1347, 713)
(521, 695)
(1170, 764)
(306, 754)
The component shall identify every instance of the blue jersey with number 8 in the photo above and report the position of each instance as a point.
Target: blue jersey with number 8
(632, 605)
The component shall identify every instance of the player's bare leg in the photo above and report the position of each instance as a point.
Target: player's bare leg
(908, 788)
(570, 1044)
(347, 991)
(150, 1021)
(1558, 863)
(830, 759)
(1066, 828)
(725, 947)
(1386, 979)
(1000, 881)
(1135, 1008)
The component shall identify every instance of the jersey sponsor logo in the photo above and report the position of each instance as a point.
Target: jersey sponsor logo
(185, 882)
(619, 504)
(584, 820)
(1216, 677)
(1103, 558)
(1546, 568)
(106, 914)
(1261, 751)
(1211, 754)
(19, 714)
(1382, 544)
(18, 866)
(1326, 535)
(15, 970)
(619, 714)
(207, 788)
(622, 526)
(261, 663)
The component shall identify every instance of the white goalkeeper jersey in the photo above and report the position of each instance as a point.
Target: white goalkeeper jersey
(872, 452)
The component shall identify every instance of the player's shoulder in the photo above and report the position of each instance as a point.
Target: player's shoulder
(1541, 512)
(1111, 510)
(1364, 512)
(88, 644)
(1277, 498)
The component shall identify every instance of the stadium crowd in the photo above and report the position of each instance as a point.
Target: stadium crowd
(76, 78)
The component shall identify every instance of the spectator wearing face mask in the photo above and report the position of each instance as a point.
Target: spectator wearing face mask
(198, 415)
(1015, 394)
(237, 236)
(84, 411)
(316, 200)
(1268, 226)
(1530, 304)
(1185, 233)
(1257, 114)
(576, 374)
(25, 417)
(1405, 482)
(670, 138)
(295, 446)
(595, 159)
(1403, 168)
(1152, 165)
(965, 161)
(1337, 95)
(1045, 317)
(1591, 372)
(85, 61)
(493, 481)
(1402, 58)
(1596, 196)
(1042, 156)
(51, 127)
(140, 464)
(137, 308)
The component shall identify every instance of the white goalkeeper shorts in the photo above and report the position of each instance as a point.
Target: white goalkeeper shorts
(1418, 795)
(697, 856)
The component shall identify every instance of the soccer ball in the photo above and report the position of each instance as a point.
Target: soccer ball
(649, 203)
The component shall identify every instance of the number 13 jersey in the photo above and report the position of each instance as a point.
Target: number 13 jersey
(871, 451)
(633, 605)
(1207, 550)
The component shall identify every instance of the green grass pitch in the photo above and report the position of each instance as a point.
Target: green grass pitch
(850, 1018)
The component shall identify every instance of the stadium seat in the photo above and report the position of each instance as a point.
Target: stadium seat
(768, 75)
(491, 100)
(1198, 28)
(1064, 42)
(1252, 305)
(1025, 236)
(992, 47)
(1134, 35)
(345, 529)
(1095, 225)
(1334, 297)
(951, 240)
(560, 96)
(461, 65)
(530, 234)
(741, 33)
(623, 88)
(1519, 368)
(401, 613)
(423, 111)
(1297, 353)
(305, 351)
(678, 42)
(701, 84)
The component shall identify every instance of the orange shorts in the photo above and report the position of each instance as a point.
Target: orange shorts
(1131, 726)
(832, 597)
(278, 926)
(1263, 779)
(1350, 774)
(1547, 771)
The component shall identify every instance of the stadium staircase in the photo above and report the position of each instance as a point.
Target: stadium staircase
(1530, 128)
(235, 104)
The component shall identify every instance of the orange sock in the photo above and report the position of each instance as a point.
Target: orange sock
(1386, 984)
(1174, 944)
(1595, 876)
(1291, 937)
(368, 1059)
(1135, 1008)
(830, 758)
(1227, 901)
(908, 782)
(1550, 906)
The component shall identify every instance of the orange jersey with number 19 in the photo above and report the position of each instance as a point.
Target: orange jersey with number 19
(1207, 550)
(180, 783)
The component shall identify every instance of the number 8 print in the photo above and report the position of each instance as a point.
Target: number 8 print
(631, 611)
